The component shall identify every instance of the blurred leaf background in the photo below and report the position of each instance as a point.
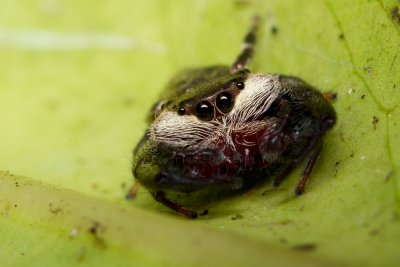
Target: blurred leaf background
(77, 79)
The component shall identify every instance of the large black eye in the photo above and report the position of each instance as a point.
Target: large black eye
(205, 110)
(224, 102)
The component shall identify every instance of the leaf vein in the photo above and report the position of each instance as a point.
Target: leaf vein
(381, 107)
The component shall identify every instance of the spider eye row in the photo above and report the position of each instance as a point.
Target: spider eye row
(205, 109)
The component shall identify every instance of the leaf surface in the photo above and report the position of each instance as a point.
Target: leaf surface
(77, 79)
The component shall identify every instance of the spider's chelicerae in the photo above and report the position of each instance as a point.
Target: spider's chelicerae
(224, 129)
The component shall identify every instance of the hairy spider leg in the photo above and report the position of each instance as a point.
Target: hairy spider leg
(162, 198)
(248, 47)
(307, 171)
(133, 190)
(314, 150)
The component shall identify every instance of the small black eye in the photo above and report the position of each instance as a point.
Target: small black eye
(224, 102)
(181, 111)
(240, 85)
(205, 110)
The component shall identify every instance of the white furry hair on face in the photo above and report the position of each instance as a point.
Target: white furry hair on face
(181, 131)
(260, 91)
(174, 130)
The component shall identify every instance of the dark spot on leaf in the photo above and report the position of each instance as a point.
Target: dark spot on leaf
(95, 231)
(375, 121)
(395, 12)
(266, 192)
(336, 167)
(242, 2)
(53, 209)
(388, 176)
(368, 69)
(305, 247)
(285, 222)
(237, 217)
(274, 30)
(341, 36)
(374, 232)
(362, 97)
(283, 240)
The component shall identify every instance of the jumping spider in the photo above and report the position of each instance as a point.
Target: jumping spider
(224, 129)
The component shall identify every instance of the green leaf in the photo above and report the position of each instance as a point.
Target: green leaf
(77, 79)
(46, 225)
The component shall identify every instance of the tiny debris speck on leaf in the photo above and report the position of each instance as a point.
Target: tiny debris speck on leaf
(375, 121)
(305, 247)
(237, 217)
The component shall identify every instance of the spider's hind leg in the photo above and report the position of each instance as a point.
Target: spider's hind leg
(248, 47)
(313, 154)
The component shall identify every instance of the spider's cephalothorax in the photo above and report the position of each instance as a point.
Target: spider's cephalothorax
(225, 128)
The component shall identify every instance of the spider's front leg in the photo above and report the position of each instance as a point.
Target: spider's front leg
(277, 136)
(161, 197)
(182, 183)
(194, 171)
